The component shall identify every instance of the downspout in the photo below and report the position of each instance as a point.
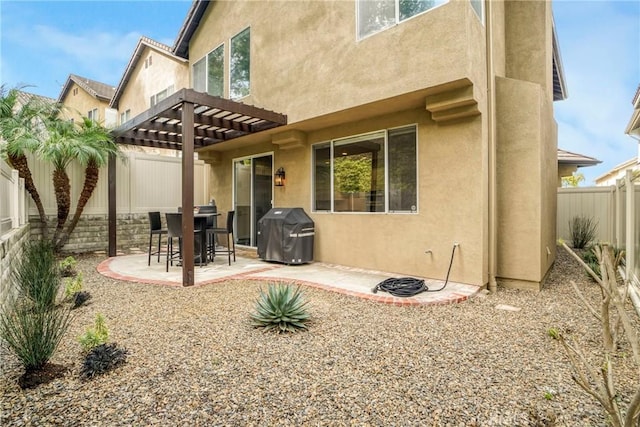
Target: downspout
(491, 131)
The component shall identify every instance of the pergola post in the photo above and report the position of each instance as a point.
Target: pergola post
(188, 274)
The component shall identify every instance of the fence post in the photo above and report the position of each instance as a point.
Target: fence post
(619, 213)
(15, 199)
(630, 247)
(22, 194)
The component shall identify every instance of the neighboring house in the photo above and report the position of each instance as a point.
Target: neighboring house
(633, 164)
(568, 163)
(84, 97)
(152, 74)
(409, 128)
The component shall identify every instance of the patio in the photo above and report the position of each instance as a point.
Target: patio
(335, 278)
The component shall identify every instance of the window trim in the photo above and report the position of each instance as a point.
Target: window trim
(397, 18)
(386, 211)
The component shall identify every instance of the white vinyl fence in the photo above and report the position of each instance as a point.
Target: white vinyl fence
(144, 183)
(616, 210)
(12, 199)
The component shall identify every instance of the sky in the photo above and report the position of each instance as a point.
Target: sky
(42, 42)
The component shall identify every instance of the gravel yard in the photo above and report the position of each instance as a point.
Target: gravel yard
(194, 359)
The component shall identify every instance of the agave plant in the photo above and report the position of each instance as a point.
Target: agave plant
(282, 308)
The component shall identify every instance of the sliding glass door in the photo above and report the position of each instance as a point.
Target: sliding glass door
(253, 195)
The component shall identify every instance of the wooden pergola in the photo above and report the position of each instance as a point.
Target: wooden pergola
(186, 121)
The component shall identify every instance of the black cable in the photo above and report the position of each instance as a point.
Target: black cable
(409, 286)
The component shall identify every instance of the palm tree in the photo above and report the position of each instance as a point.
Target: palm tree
(91, 145)
(97, 148)
(21, 132)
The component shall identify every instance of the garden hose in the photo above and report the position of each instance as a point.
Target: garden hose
(409, 286)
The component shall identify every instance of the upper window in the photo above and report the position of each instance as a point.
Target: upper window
(125, 117)
(93, 115)
(208, 73)
(477, 6)
(376, 172)
(376, 15)
(240, 65)
(160, 95)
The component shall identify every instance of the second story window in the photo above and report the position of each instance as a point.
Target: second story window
(125, 117)
(376, 15)
(160, 96)
(208, 73)
(93, 115)
(240, 65)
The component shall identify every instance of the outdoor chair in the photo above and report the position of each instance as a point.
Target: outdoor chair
(155, 228)
(228, 232)
(174, 231)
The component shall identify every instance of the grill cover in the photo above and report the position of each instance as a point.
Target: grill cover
(286, 235)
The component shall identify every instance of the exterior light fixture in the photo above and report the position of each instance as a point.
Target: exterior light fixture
(279, 178)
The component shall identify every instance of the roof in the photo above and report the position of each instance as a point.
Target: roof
(559, 84)
(633, 128)
(214, 120)
(24, 97)
(98, 90)
(629, 164)
(144, 42)
(189, 27)
(579, 160)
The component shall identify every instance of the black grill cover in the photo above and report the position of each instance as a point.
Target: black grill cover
(286, 235)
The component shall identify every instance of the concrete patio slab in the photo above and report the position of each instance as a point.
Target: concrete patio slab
(336, 278)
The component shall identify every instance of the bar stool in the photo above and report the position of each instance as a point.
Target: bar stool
(155, 228)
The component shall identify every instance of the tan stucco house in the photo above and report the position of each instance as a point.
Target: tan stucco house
(83, 97)
(410, 127)
(152, 74)
(569, 162)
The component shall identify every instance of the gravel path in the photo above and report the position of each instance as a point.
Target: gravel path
(194, 359)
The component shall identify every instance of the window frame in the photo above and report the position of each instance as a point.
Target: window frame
(397, 22)
(331, 144)
(93, 115)
(205, 58)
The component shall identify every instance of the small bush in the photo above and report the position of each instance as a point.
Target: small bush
(95, 336)
(591, 259)
(583, 231)
(68, 267)
(33, 332)
(36, 275)
(281, 309)
(79, 298)
(73, 286)
(101, 359)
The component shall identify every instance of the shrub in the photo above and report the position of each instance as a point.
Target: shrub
(102, 358)
(80, 298)
(36, 275)
(591, 259)
(95, 336)
(281, 309)
(583, 231)
(33, 332)
(73, 286)
(68, 267)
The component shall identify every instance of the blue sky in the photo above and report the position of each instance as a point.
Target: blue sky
(42, 42)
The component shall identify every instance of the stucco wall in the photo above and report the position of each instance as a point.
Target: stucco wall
(451, 204)
(303, 49)
(164, 71)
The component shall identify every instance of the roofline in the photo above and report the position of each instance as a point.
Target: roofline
(633, 128)
(632, 161)
(79, 80)
(558, 69)
(584, 161)
(189, 27)
(133, 61)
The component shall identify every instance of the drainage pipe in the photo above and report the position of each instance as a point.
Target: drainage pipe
(492, 147)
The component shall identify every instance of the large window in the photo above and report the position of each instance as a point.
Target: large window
(208, 73)
(375, 172)
(376, 15)
(154, 99)
(240, 65)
